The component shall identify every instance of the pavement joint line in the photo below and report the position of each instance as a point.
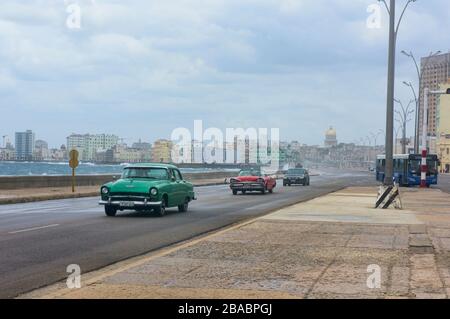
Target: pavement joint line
(132, 262)
(32, 229)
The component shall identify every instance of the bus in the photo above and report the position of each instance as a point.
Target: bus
(407, 171)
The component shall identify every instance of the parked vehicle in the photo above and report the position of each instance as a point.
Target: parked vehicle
(252, 180)
(147, 187)
(296, 176)
(407, 169)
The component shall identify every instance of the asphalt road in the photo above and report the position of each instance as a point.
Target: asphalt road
(39, 240)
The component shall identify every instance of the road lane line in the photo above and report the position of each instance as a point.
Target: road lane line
(32, 229)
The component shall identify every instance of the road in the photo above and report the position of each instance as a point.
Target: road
(39, 240)
(444, 183)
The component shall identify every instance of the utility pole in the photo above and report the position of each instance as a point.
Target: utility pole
(393, 32)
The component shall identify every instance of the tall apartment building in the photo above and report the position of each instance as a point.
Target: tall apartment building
(436, 70)
(24, 144)
(88, 145)
(443, 129)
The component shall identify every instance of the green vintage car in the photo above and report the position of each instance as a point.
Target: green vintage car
(147, 187)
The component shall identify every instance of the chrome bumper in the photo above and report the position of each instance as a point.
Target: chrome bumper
(136, 204)
(247, 186)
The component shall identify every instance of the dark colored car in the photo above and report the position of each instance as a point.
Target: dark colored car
(296, 176)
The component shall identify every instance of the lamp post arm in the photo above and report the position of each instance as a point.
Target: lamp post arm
(401, 17)
(387, 7)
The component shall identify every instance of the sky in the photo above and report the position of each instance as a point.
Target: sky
(141, 68)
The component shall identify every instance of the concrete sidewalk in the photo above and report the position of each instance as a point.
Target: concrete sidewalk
(16, 196)
(318, 249)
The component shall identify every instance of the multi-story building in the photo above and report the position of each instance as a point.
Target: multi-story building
(443, 129)
(123, 154)
(436, 70)
(24, 145)
(7, 154)
(162, 151)
(88, 145)
(41, 151)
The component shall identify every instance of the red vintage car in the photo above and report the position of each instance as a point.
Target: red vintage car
(252, 180)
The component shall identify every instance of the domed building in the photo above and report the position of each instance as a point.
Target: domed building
(330, 137)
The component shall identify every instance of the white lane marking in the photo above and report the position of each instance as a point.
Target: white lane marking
(31, 229)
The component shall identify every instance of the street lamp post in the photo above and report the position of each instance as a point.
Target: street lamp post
(393, 33)
(404, 119)
(418, 99)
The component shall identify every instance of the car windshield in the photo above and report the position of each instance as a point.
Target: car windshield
(297, 171)
(145, 172)
(250, 172)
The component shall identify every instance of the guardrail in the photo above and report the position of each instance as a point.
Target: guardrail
(20, 182)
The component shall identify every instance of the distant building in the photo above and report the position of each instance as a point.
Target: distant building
(41, 151)
(398, 146)
(436, 70)
(162, 151)
(331, 137)
(123, 154)
(24, 145)
(142, 145)
(443, 129)
(7, 154)
(88, 145)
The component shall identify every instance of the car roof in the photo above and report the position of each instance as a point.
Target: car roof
(152, 165)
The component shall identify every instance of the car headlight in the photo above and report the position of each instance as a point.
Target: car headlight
(105, 190)
(153, 191)
(233, 180)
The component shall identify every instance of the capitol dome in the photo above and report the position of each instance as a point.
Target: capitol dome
(330, 137)
(331, 132)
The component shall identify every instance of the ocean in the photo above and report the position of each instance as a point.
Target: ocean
(62, 168)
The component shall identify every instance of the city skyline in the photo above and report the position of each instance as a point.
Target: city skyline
(231, 64)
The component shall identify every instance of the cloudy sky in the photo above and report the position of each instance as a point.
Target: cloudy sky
(141, 68)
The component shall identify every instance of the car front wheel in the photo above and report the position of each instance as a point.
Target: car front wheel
(110, 211)
(161, 210)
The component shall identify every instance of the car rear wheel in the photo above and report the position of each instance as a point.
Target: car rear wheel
(161, 210)
(110, 211)
(184, 207)
(234, 192)
(244, 192)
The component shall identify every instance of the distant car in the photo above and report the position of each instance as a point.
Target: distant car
(296, 176)
(147, 187)
(252, 180)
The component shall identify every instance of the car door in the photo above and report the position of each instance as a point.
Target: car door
(173, 189)
(178, 188)
(184, 186)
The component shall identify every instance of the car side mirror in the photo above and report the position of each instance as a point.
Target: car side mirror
(173, 179)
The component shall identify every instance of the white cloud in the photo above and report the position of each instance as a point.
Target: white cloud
(260, 62)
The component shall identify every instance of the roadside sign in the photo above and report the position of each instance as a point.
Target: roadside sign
(73, 163)
(73, 159)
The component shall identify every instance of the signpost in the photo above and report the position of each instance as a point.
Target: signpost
(73, 163)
